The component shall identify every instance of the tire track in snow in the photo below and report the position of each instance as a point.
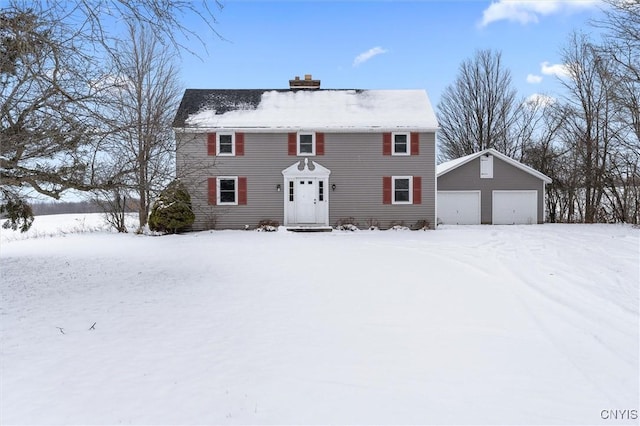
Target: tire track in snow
(489, 267)
(555, 307)
(568, 311)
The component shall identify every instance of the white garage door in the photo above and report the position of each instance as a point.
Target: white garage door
(515, 207)
(459, 207)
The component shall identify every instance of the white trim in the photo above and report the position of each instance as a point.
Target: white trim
(289, 129)
(393, 189)
(393, 143)
(486, 166)
(313, 144)
(544, 203)
(310, 170)
(306, 171)
(233, 144)
(444, 168)
(235, 186)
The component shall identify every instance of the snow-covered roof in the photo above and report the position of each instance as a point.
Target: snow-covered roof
(454, 164)
(340, 110)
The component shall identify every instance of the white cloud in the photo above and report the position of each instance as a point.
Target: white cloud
(534, 79)
(539, 100)
(365, 56)
(559, 70)
(529, 11)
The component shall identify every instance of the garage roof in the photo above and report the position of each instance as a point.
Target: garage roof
(444, 168)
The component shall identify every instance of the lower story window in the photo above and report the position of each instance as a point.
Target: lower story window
(402, 189)
(228, 190)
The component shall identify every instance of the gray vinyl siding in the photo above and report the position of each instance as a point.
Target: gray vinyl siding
(505, 177)
(357, 169)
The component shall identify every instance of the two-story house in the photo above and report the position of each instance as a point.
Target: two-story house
(307, 157)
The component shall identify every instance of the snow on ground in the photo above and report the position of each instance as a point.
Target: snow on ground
(463, 325)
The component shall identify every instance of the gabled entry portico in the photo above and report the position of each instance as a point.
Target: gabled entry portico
(306, 195)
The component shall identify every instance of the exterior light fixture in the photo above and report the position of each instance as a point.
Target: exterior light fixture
(333, 187)
(278, 187)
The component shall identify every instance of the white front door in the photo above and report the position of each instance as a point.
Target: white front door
(306, 200)
(306, 197)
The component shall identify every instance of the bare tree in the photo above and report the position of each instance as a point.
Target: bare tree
(545, 151)
(622, 47)
(45, 115)
(479, 110)
(145, 97)
(590, 131)
(53, 83)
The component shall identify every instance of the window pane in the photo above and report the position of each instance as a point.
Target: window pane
(402, 184)
(401, 190)
(400, 143)
(227, 196)
(306, 144)
(227, 185)
(321, 190)
(402, 195)
(291, 190)
(226, 144)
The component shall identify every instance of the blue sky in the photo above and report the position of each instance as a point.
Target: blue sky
(413, 44)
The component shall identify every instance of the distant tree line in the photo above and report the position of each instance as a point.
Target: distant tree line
(66, 207)
(587, 138)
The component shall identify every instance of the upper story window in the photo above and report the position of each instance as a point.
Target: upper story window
(400, 144)
(225, 144)
(306, 143)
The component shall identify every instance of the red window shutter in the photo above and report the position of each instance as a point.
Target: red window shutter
(239, 143)
(386, 190)
(386, 144)
(211, 191)
(211, 144)
(242, 190)
(417, 190)
(293, 142)
(319, 143)
(415, 143)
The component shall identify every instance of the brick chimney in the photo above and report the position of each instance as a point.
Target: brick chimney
(307, 83)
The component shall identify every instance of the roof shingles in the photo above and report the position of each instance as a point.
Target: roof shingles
(319, 109)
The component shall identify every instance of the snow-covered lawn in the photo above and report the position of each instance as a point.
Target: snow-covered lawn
(463, 325)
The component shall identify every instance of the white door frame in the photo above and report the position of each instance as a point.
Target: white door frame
(319, 175)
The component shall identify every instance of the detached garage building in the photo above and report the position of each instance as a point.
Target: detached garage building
(489, 188)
